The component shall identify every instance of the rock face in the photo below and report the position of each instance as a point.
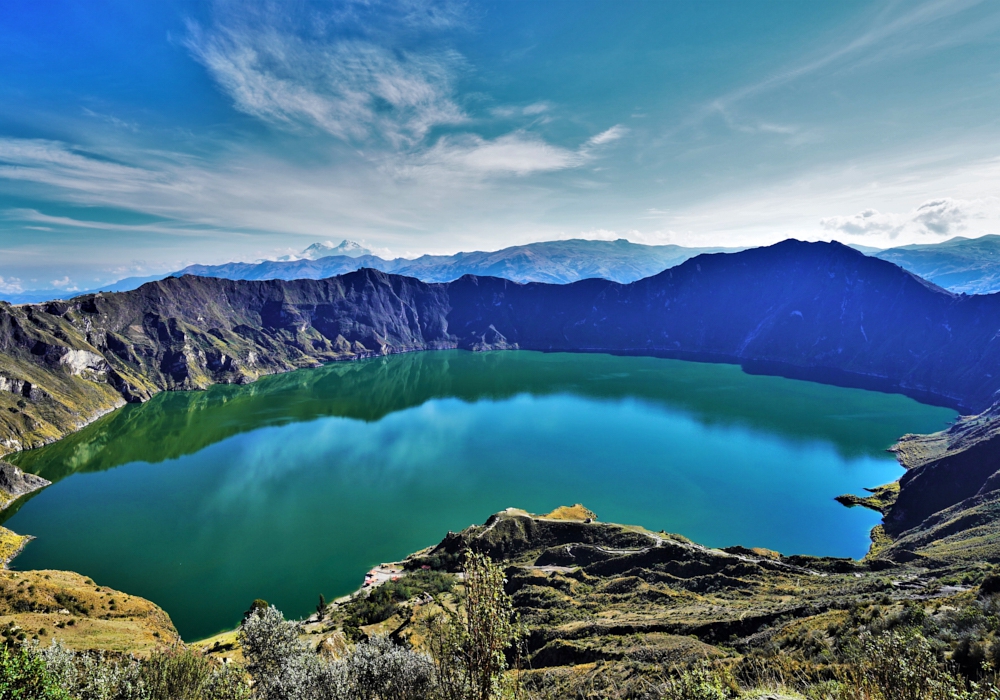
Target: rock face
(14, 483)
(812, 310)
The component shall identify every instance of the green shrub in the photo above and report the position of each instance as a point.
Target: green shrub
(382, 602)
(24, 676)
(902, 665)
(699, 683)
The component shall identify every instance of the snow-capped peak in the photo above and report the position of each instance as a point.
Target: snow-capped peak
(324, 249)
(351, 249)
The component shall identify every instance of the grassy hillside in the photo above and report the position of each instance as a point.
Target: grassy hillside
(50, 605)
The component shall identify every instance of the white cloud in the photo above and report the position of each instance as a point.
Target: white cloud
(349, 89)
(10, 285)
(863, 223)
(536, 108)
(65, 283)
(612, 134)
(943, 216)
(510, 111)
(55, 163)
(937, 217)
(518, 153)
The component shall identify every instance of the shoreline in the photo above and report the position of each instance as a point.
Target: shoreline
(6, 536)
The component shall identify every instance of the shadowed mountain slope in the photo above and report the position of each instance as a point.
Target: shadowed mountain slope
(814, 310)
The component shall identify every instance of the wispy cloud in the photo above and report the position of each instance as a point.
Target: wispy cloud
(350, 89)
(519, 153)
(112, 120)
(613, 134)
(385, 101)
(55, 163)
(532, 110)
(33, 215)
(891, 33)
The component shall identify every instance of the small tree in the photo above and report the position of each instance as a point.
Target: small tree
(321, 608)
(471, 649)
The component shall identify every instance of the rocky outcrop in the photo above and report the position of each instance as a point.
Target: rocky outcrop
(588, 591)
(14, 483)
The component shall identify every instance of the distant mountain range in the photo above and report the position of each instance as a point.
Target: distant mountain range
(557, 262)
(969, 265)
(962, 265)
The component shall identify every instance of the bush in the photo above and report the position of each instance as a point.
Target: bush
(700, 683)
(173, 674)
(283, 667)
(381, 670)
(24, 675)
(902, 665)
(471, 650)
(181, 674)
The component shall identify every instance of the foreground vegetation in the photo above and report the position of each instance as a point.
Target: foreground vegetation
(469, 660)
(475, 650)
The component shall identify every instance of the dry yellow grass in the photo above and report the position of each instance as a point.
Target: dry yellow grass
(82, 615)
(574, 512)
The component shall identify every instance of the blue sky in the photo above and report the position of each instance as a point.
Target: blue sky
(137, 137)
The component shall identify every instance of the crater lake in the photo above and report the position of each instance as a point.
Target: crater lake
(298, 484)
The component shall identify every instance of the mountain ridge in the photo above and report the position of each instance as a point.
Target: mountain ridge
(557, 262)
(812, 310)
(961, 265)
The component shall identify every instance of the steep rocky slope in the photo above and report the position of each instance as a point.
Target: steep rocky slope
(811, 310)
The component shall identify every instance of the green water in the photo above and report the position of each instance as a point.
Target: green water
(297, 484)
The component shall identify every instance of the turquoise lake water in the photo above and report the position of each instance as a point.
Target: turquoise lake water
(298, 484)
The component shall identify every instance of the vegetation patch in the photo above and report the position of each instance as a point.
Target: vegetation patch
(11, 545)
(882, 498)
(381, 603)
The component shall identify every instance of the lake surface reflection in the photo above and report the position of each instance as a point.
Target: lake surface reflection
(297, 484)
